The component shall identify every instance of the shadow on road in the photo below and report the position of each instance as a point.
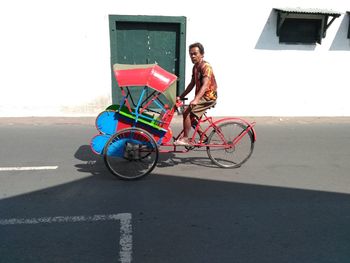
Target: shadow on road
(177, 219)
(94, 164)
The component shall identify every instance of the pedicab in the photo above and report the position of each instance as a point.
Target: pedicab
(133, 133)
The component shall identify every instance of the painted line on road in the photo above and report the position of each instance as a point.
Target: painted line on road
(28, 168)
(125, 241)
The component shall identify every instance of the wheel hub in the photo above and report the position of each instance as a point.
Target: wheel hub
(230, 147)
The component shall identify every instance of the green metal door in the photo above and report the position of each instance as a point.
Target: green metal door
(148, 40)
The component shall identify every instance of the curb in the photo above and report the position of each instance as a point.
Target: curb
(177, 119)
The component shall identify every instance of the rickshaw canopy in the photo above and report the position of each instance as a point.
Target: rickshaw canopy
(150, 75)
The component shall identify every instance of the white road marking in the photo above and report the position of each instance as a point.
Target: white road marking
(125, 242)
(28, 168)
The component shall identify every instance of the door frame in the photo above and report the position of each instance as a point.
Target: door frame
(180, 20)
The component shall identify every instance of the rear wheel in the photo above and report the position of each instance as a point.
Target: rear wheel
(228, 151)
(131, 153)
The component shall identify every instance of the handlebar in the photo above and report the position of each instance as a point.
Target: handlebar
(180, 103)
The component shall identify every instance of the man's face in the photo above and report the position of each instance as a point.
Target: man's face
(195, 55)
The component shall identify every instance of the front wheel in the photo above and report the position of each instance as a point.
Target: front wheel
(131, 153)
(231, 144)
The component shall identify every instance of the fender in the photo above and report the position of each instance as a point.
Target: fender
(215, 123)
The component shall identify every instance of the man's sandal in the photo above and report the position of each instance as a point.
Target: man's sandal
(181, 142)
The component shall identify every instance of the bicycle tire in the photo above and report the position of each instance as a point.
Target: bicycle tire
(131, 154)
(235, 155)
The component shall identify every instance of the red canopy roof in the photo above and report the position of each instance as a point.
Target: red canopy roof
(150, 75)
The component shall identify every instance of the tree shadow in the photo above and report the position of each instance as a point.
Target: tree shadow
(177, 219)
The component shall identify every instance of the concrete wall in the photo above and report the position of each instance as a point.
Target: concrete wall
(55, 56)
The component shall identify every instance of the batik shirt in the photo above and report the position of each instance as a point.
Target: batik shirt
(198, 73)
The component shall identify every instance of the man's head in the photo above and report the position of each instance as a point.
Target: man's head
(196, 51)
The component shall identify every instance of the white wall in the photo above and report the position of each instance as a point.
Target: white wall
(55, 55)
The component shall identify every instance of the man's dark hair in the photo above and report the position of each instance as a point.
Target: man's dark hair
(199, 45)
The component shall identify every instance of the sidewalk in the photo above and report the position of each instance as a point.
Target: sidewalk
(176, 119)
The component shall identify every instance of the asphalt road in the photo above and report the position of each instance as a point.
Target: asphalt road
(289, 203)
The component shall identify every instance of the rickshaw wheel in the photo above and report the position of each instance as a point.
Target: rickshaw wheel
(131, 153)
(232, 156)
